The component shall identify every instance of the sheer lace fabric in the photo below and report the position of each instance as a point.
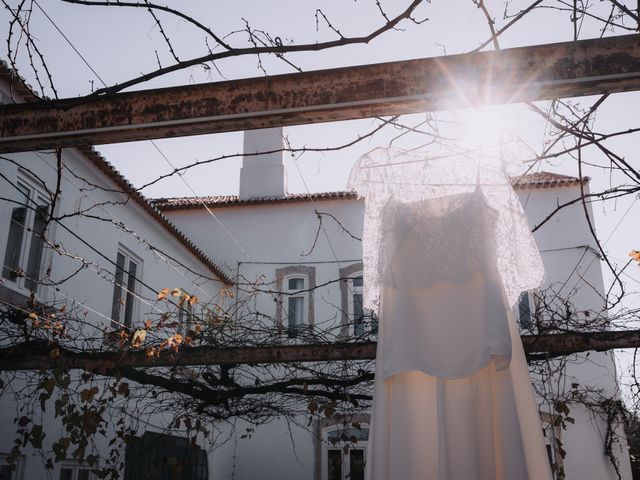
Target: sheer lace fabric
(440, 239)
(386, 176)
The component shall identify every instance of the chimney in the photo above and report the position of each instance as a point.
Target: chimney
(263, 175)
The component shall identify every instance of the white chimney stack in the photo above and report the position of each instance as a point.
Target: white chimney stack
(263, 175)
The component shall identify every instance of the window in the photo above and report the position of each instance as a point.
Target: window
(344, 453)
(526, 311)
(15, 472)
(552, 442)
(356, 312)
(185, 317)
(75, 472)
(125, 287)
(23, 256)
(158, 456)
(356, 321)
(296, 300)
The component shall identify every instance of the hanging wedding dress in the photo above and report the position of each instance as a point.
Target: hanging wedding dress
(447, 252)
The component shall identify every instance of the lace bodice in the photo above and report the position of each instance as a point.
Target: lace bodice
(445, 239)
(407, 195)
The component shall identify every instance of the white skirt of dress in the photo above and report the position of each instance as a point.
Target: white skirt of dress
(482, 427)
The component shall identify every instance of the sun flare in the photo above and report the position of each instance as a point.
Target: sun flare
(481, 128)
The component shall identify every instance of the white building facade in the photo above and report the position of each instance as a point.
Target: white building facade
(75, 236)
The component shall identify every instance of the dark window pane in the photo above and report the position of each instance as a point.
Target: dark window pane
(36, 247)
(357, 281)
(66, 474)
(374, 322)
(295, 314)
(185, 313)
(189, 314)
(296, 283)
(550, 454)
(358, 315)
(131, 288)
(164, 457)
(524, 311)
(189, 324)
(334, 469)
(83, 474)
(12, 267)
(14, 243)
(356, 464)
(117, 290)
(6, 473)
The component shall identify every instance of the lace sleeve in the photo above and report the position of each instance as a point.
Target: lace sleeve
(518, 257)
(360, 180)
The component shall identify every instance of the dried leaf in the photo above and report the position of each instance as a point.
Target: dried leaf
(176, 292)
(87, 394)
(48, 385)
(36, 436)
(193, 300)
(123, 389)
(163, 294)
(329, 409)
(138, 338)
(561, 407)
(184, 298)
(635, 255)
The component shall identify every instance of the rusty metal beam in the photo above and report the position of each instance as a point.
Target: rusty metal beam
(37, 355)
(522, 74)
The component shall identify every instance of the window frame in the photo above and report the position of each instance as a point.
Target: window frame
(143, 453)
(18, 473)
(550, 433)
(75, 470)
(369, 322)
(282, 303)
(185, 316)
(353, 290)
(344, 447)
(532, 299)
(292, 294)
(127, 308)
(36, 196)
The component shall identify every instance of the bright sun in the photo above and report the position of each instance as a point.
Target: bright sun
(481, 128)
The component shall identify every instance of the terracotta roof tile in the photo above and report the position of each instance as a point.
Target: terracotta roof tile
(185, 203)
(533, 180)
(545, 180)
